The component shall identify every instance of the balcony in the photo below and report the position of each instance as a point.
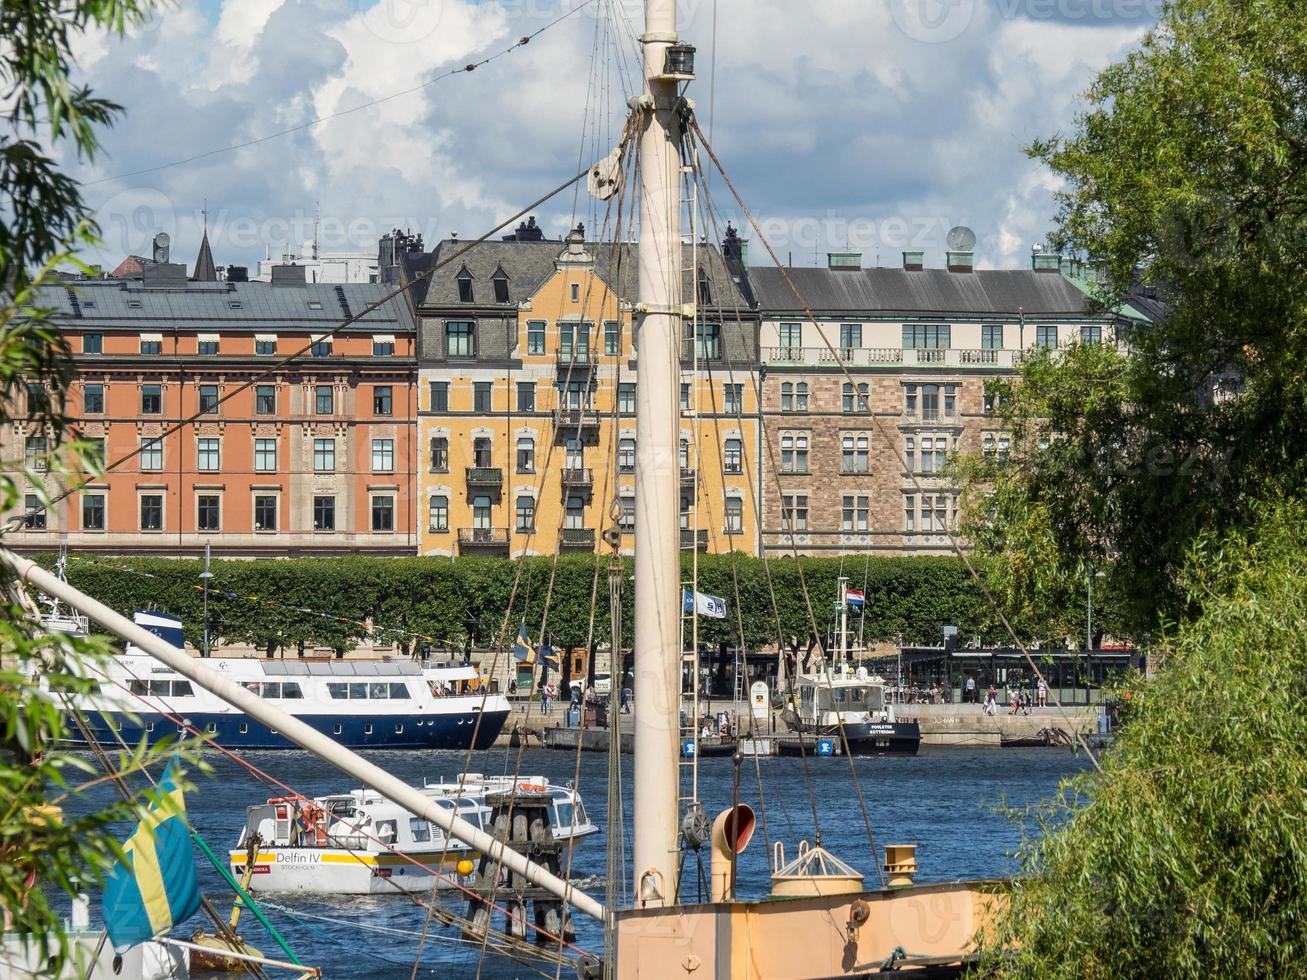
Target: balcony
(572, 423)
(578, 482)
(692, 540)
(857, 357)
(576, 539)
(483, 540)
(485, 478)
(576, 364)
(687, 474)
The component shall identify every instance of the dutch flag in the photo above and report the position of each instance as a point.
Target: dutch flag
(854, 598)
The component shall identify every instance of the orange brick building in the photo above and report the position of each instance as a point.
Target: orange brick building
(318, 457)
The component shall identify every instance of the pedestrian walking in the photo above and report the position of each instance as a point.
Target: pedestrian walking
(991, 700)
(626, 700)
(971, 690)
(1011, 700)
(1043, 694)
(1023, 701)
(547, 698)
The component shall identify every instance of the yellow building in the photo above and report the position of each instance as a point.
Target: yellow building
(527, 373)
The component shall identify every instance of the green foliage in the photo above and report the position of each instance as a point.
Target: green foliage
(263, 603)
(1187, 170)
(1187, 856)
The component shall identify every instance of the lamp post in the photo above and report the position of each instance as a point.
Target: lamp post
(1089, 626)
(204, 577)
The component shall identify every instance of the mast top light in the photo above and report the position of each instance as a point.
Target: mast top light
(680, 61)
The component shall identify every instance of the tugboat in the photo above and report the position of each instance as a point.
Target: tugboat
(846, 705)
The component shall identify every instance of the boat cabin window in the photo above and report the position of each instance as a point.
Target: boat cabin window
(420, 829)
(162, 689)
(841, 695)
(377, 690)
(563, 814)
(386, 830)
(275, 689)
(858, 694)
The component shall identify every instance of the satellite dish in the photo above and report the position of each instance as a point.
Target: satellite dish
(606, 175)
(161, 243)
(961, 238)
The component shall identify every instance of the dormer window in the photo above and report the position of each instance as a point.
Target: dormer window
(704, 290)
(315, 304)
(500, 281)
(465, 286)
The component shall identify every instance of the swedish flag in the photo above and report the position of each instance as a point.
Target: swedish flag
(523, 650)
(156, 888)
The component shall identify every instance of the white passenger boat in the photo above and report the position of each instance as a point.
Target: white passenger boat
(360, 843)
(375, 704)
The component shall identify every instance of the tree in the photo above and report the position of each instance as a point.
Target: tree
(1186, 179)
(43, 220)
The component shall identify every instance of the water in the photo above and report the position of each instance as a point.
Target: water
(943, 800)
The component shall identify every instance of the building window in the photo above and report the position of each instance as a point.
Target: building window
(854, 514)
(612, 338)
(460, 338)
(439, 514)
(708, 341)
(500, 282)
(482, 394)
(794, 512)
(465, 293)
(93, 399)
(847, 402)
(208, 456)
(383, 346)
(1046, 338)
(574, 512)
(95, 449)
(576, 292)
(207, 346)
(324, 513)
(34, 454)
(383, 400)
(207, 513)
(1091, 334)
(482, 453)
(151, 512)
(734, 515)
(320, 347)
(626, 398)
(927, 336)
(151, 346)
(265, 513)
(988, 403)
(265, 455)
(526, 514)
(526, 396)
(850, 335)
(209, 399)
(574, 334)
(38, 400)
(481, 512)
(910, 512)
(33, 513)
(92, 343)
(794, 452)
(265, 400)
(383, 513)
(733, 401)
(792, 336)
(626, 455)
(324, 455)
(440, 396)
(324, 400)
(794, 396)
(910, 453)
(151, 399)
(526, 454)
(926, 398)
(575, 395)
(92, 512)
(733, 456)
(934, 449)
(265, 346)
(996, 448)
(703, 290)
(439, 454)
(991, 336)
(626, 514)
(685, 512)
(685, 397)
(383, 455)
(535, 336)
(151, 455)
(854, 453)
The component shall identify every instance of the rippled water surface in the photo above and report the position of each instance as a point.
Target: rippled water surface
(944, 800)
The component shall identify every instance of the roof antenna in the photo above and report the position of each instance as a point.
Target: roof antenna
(315, 228)
(205, 212)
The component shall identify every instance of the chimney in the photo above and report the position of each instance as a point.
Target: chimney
(288, 275)
(959, 261)
(844, 261)
(912, 261)
(238, 273)
(1041, 261)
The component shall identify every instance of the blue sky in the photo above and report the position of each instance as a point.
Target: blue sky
(876, 124)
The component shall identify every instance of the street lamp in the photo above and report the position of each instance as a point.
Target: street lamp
(1089, 610)
(204, 577)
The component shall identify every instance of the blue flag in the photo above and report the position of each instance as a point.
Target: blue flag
(523, 651)
(156, 889)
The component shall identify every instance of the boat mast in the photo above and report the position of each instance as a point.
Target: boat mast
(844, 620)
(657, 471)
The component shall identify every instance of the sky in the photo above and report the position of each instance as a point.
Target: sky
(874, 125)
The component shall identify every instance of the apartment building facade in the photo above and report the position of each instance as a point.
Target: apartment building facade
(864, 401)
(527, 374)
(317, 456)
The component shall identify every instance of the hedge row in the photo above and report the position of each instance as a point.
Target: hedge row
(328, 602)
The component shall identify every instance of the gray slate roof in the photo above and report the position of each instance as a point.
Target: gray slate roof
(208, 305)
(529, 264)
(928, 292)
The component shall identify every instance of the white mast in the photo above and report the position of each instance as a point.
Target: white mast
(657, 473)
(844, 620)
